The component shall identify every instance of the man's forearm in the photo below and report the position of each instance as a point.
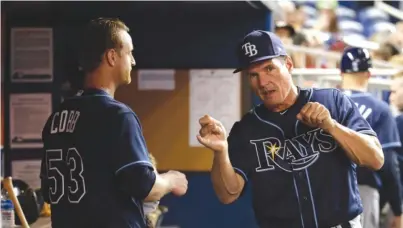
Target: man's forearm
(162, 186)
(390, 177)
(227, 184)
(363, 149)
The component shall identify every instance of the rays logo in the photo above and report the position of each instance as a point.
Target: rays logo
(293, 154)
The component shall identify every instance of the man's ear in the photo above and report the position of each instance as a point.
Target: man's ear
(289, 64)
(368, 74)
(111, 57)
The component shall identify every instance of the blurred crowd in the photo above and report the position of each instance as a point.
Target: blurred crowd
(328, 26)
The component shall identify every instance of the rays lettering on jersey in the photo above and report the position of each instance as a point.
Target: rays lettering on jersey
(295, 154)
(364, 110)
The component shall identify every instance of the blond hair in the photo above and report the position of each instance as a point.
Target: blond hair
(398, 75)
(99, 35)
(153, 160)
(396, 60)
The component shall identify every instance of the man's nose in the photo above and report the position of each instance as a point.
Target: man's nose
(262, 79)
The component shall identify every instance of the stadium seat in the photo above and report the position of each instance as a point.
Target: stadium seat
(353, 38)
(379, 26)
(309, 23)
(372, 14)
(350, 26)
(310, 11)
(344, 13)
(311, 3)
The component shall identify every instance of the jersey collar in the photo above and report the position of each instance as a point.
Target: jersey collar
(353, 93)
(92, 92)
(302, 99)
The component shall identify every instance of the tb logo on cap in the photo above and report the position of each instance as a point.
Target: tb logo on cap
(250, 49)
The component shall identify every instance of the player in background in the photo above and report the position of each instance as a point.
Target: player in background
(396, 95)
(96, 170)
(151, 209)
(298, 149)
(354, 66)
(396, 102)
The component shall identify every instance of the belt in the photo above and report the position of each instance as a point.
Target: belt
(353, 223)
(343, 225)
(346, 225)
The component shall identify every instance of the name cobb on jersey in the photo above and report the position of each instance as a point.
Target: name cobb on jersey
(64, 121)
(293, 154)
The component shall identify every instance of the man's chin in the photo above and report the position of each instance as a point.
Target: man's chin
(271, 101)
(395, 110)
(127, 81)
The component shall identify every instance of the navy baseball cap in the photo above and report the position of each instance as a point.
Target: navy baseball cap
(257, 46)
(355, 59)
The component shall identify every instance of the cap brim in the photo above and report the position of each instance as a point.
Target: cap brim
(237, 70)
(255, 61)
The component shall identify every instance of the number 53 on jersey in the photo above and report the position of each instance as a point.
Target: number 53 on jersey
(65, 172)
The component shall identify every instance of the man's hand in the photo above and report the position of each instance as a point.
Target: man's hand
(177, 181)
(396, 222)
(212, 134)
(314, 114)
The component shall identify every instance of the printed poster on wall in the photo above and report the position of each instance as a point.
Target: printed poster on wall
(216, 93)
(31, 55)
(159, 79)
(27, 171)
(28, 115)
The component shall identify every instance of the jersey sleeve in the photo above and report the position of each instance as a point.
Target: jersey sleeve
(386, 129)
(43, 175)
(348, 115)
(237, 152)
(390, 177)
(399, 123)
(131, 146)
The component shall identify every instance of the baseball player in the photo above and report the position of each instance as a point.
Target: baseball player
(96, 170)
(151, 209)
(354, 66)
(396, 101)
(299, 149)
(396, 95)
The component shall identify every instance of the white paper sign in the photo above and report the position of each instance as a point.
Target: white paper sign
(216, 93)
(28, 171)
(28, 115)
(161, 79)
(31, 55)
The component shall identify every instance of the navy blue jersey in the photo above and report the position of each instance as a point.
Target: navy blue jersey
(299, 175)
(88, 140)
(379, 116)
(387, 179)
(399, 122)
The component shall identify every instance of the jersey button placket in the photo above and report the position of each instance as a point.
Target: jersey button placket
(304, 192)
(306, 204)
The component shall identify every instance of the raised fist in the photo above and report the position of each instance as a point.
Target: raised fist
(212, 134)
(315, 114)
(178, 182)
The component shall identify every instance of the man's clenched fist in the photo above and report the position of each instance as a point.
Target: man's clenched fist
(314, 114)
(212, 134)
